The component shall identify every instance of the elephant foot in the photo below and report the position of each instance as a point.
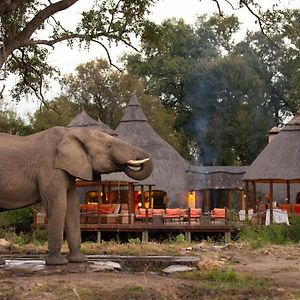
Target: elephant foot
(55, 260)
(76, 258)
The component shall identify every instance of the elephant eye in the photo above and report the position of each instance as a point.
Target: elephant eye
(108, 145)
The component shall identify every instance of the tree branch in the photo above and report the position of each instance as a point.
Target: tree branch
(40, 17)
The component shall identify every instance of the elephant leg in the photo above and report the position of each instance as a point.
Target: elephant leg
(72, 226)
(56, 219)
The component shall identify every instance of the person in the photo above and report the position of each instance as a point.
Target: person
(261, 212)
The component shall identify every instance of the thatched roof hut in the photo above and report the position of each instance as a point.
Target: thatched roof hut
(280, 160)
(278, 163)
(84, 120)
(169, 168)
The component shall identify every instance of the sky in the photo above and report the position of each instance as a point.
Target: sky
(68, 59)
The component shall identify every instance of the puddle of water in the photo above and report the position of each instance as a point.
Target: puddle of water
(28, 266)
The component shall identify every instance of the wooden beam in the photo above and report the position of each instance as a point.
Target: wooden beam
(207, 206)
(254, 196)
(229, 199)
(143, 196)
(246, 198)
(288, 192)
(150, 196)
(271, 200)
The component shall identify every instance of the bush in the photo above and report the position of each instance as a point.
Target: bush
(21, 219)
(277, 234)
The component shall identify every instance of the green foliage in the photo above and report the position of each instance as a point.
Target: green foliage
(21, 219)
(104, 93)
(58, 112)
(277, 234)
(10, 234)
(11, 123)
(31, 29)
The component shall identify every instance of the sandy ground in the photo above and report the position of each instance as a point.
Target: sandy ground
(280, 265)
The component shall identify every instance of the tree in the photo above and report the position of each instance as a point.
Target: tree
(11, 123)
(58, 112)
(30, 29)
(102, 91)
(23, 22)
(104, 94)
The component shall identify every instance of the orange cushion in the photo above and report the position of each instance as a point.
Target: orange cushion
(157, 211)
(172, 211)
(218, 212)
(110, 209)
(195, 211)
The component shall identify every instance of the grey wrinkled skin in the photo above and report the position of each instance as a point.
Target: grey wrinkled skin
(43, 167)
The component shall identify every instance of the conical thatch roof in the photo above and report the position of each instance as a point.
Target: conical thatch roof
(169, 168)
(84, 120)
(280, 160)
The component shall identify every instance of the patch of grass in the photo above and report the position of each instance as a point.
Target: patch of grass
(259, 236)
(225, 282)
(136, 289)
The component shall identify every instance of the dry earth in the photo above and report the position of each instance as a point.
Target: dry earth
(280, 265)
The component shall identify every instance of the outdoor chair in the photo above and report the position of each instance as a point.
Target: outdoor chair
(171, 214)
(195, 214)
(286, 207)
(143, 214)
(218, 214)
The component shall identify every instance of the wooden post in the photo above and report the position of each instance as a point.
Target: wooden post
(241, 200)
(99, 201)
(271, 201)
(98, 237)
(143, 196)
(150, 196)
(188, 236)
(130, 201)
(145, 236)
(247, 198)
(254, 197)
(227, 237)
(288, 192)
(229, 199)
(207, 200)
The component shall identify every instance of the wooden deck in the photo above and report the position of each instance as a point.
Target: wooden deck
(128, 223)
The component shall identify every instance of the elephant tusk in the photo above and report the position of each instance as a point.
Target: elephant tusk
(133, 162)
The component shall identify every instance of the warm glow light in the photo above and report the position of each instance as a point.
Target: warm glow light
(191, 199)
(140, 204)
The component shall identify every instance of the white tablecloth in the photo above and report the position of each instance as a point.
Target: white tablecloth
(279, 216)
(242, 214)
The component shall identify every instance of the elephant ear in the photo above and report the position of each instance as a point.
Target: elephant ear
(73, 158)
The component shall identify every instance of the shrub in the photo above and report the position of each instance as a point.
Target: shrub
(21, 219)
(258, 236)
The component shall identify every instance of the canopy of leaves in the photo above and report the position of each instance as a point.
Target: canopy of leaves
(31, 28)
(226, 96)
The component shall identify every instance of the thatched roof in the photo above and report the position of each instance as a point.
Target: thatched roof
(280, 160)
(169, 168)
(84, 120)
(216, 177)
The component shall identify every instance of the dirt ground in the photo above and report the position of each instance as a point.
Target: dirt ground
(280, 266)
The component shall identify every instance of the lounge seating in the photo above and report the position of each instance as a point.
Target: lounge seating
(218, 214)
(171, 214)
(143, 214)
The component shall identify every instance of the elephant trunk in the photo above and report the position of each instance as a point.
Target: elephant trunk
(138, 171)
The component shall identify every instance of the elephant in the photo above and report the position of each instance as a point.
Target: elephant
(43, 167)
